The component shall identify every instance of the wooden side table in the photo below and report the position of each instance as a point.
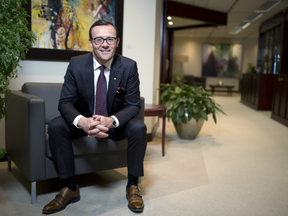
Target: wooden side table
(157, 110)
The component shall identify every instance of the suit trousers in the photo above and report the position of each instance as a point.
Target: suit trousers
(60, 141)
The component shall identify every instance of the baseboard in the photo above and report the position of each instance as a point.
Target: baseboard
(279, 119)
(151, 135)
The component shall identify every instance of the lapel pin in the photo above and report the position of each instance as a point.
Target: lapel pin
(114, 78)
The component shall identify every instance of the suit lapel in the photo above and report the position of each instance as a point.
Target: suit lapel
(88, 82)
(114, 80)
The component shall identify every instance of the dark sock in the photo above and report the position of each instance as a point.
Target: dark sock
(132, 180)
(70, 183)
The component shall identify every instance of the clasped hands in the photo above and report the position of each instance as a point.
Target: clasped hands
(96, 126)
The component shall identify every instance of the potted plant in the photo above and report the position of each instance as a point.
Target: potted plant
(250, 69)
(15, 40)
(2, 153)
(179, 77)
(188, 107)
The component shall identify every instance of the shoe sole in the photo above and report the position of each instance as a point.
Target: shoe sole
(54, 211)
(137, 210)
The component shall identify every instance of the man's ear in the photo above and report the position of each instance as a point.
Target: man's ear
(91, 43)
(118, 41)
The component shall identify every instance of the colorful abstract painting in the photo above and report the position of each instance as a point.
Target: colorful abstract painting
(222, 60)
(64, 24)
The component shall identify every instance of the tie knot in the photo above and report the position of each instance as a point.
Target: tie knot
(102, 68)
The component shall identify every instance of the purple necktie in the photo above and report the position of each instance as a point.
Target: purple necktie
(101, 94)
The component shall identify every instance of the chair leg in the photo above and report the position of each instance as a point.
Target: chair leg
(9, 163)
(33, 192)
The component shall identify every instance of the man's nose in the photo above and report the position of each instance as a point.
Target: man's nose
(105, 43)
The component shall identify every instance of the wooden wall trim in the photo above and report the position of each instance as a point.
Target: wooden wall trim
(193, 12)
(192, 26)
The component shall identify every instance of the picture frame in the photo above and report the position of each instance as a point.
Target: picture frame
(222, 60)
(54, 54)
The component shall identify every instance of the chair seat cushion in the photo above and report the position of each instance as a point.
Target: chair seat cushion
(86, 146)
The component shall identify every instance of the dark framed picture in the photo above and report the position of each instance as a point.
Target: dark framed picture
(62, 26)
(222, 60)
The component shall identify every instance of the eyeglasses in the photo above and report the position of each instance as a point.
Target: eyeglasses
(100, 40)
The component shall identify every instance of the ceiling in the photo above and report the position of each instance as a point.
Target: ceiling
(237, 11)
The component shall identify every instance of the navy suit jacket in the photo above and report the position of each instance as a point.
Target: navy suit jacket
(78, 95)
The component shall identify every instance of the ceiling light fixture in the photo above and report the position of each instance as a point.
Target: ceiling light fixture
(253, 17)
(169, 18)
(267, 6)
(240, 27)
(170, 23)
(235, 31)
(246, 25)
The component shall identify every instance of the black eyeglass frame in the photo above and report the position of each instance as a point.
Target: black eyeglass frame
(106, 39)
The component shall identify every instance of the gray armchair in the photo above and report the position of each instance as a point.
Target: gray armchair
(29, 112)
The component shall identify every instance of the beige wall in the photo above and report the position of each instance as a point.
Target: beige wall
(140, 42)
(192, 47)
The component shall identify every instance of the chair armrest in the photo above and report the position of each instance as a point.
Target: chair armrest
(25, 133)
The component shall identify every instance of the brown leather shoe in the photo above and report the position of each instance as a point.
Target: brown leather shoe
(135, 201)
(65, 197)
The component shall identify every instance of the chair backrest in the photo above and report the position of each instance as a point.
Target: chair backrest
(49, 92)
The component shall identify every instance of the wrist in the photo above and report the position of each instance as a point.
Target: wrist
(79, 123)
(113, 122)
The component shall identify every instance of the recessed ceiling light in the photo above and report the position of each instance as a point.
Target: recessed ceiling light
(267, 6)
(170, 23)
(169, 17)
(253, 17)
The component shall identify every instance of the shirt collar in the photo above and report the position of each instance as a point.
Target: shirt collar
(107, 65)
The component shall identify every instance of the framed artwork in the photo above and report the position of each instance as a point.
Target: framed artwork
(222, 60)
(62, 26)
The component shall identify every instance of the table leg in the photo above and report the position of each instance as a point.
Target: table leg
(163, 134)
(229, 91)
(212, 90)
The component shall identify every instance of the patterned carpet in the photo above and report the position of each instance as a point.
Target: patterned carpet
(237, 167)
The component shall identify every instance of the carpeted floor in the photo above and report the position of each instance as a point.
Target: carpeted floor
(237, 167)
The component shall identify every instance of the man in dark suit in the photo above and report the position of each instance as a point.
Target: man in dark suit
(100, 98)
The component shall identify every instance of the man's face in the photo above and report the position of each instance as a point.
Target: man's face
(104, 52)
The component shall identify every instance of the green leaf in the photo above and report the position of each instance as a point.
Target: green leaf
(2, 153)
(195, 109)
(214, 117)
(203, 115)
(191, 100)
(218, 109)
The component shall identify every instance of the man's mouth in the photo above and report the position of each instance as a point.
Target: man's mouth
(105, 51)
